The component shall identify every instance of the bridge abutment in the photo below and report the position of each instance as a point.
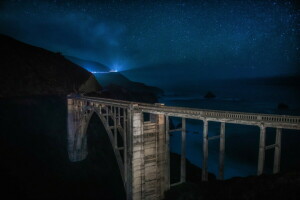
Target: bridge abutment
(77, 141)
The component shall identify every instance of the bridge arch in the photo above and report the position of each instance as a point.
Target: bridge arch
(92, 111)
(141, 155)
(78, 123)
(101, 160)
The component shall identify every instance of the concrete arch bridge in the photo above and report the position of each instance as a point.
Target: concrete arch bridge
(139, 134)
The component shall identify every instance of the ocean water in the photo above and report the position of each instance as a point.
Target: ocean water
(241, 148)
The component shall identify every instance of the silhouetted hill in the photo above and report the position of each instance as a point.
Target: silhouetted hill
(27, 70)
(116, 85)
(87, 64)
(119, 79)
(113, 91)
(114, 78)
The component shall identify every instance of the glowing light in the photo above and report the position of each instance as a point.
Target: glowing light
(113, 70)
(95, 72)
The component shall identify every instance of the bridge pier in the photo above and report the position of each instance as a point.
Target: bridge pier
(276, 167)
(183, 152)
(137, 159)
(205, 151)
(222, 151)
(263, 148)
(167, 155)
(148, 164)
(261, 154)
(126, 149)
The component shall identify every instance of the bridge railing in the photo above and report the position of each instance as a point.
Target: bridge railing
(271, 120)
(286, 121)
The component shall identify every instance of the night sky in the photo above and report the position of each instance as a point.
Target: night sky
(209, 39)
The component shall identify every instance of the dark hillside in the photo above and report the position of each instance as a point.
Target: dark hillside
(27, 70)
(119, 79)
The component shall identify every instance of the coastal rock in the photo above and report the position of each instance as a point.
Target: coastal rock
(209, 95)
(282, 106)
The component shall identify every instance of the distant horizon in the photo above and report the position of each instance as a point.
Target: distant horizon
(152, 80)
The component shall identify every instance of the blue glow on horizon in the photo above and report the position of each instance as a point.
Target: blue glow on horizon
(116, 68)
(95, 72)
(98, 72)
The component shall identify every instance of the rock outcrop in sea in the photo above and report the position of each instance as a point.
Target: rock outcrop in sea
(209, 95)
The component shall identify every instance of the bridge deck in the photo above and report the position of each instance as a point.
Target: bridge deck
(268, 120)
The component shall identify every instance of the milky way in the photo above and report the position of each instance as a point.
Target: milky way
(224, 38)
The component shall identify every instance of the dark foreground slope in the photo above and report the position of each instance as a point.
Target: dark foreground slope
(34, 157)
(27, 70)
(280, 186)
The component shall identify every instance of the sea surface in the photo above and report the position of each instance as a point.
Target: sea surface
(241, 151)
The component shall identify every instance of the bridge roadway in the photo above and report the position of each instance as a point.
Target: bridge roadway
(143, 155)
(268, 120)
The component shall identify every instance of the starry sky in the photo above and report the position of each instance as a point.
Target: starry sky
(203, 39)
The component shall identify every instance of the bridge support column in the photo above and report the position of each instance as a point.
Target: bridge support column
(114, 110)
(161, 152)
(261, 154)
(167, 155)
(276, 167)
(77, 141)
(137, 156)
(183, 152)
(222, 151)
(125, 153)
(205, 151)
(148, 160)
(107, 115)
